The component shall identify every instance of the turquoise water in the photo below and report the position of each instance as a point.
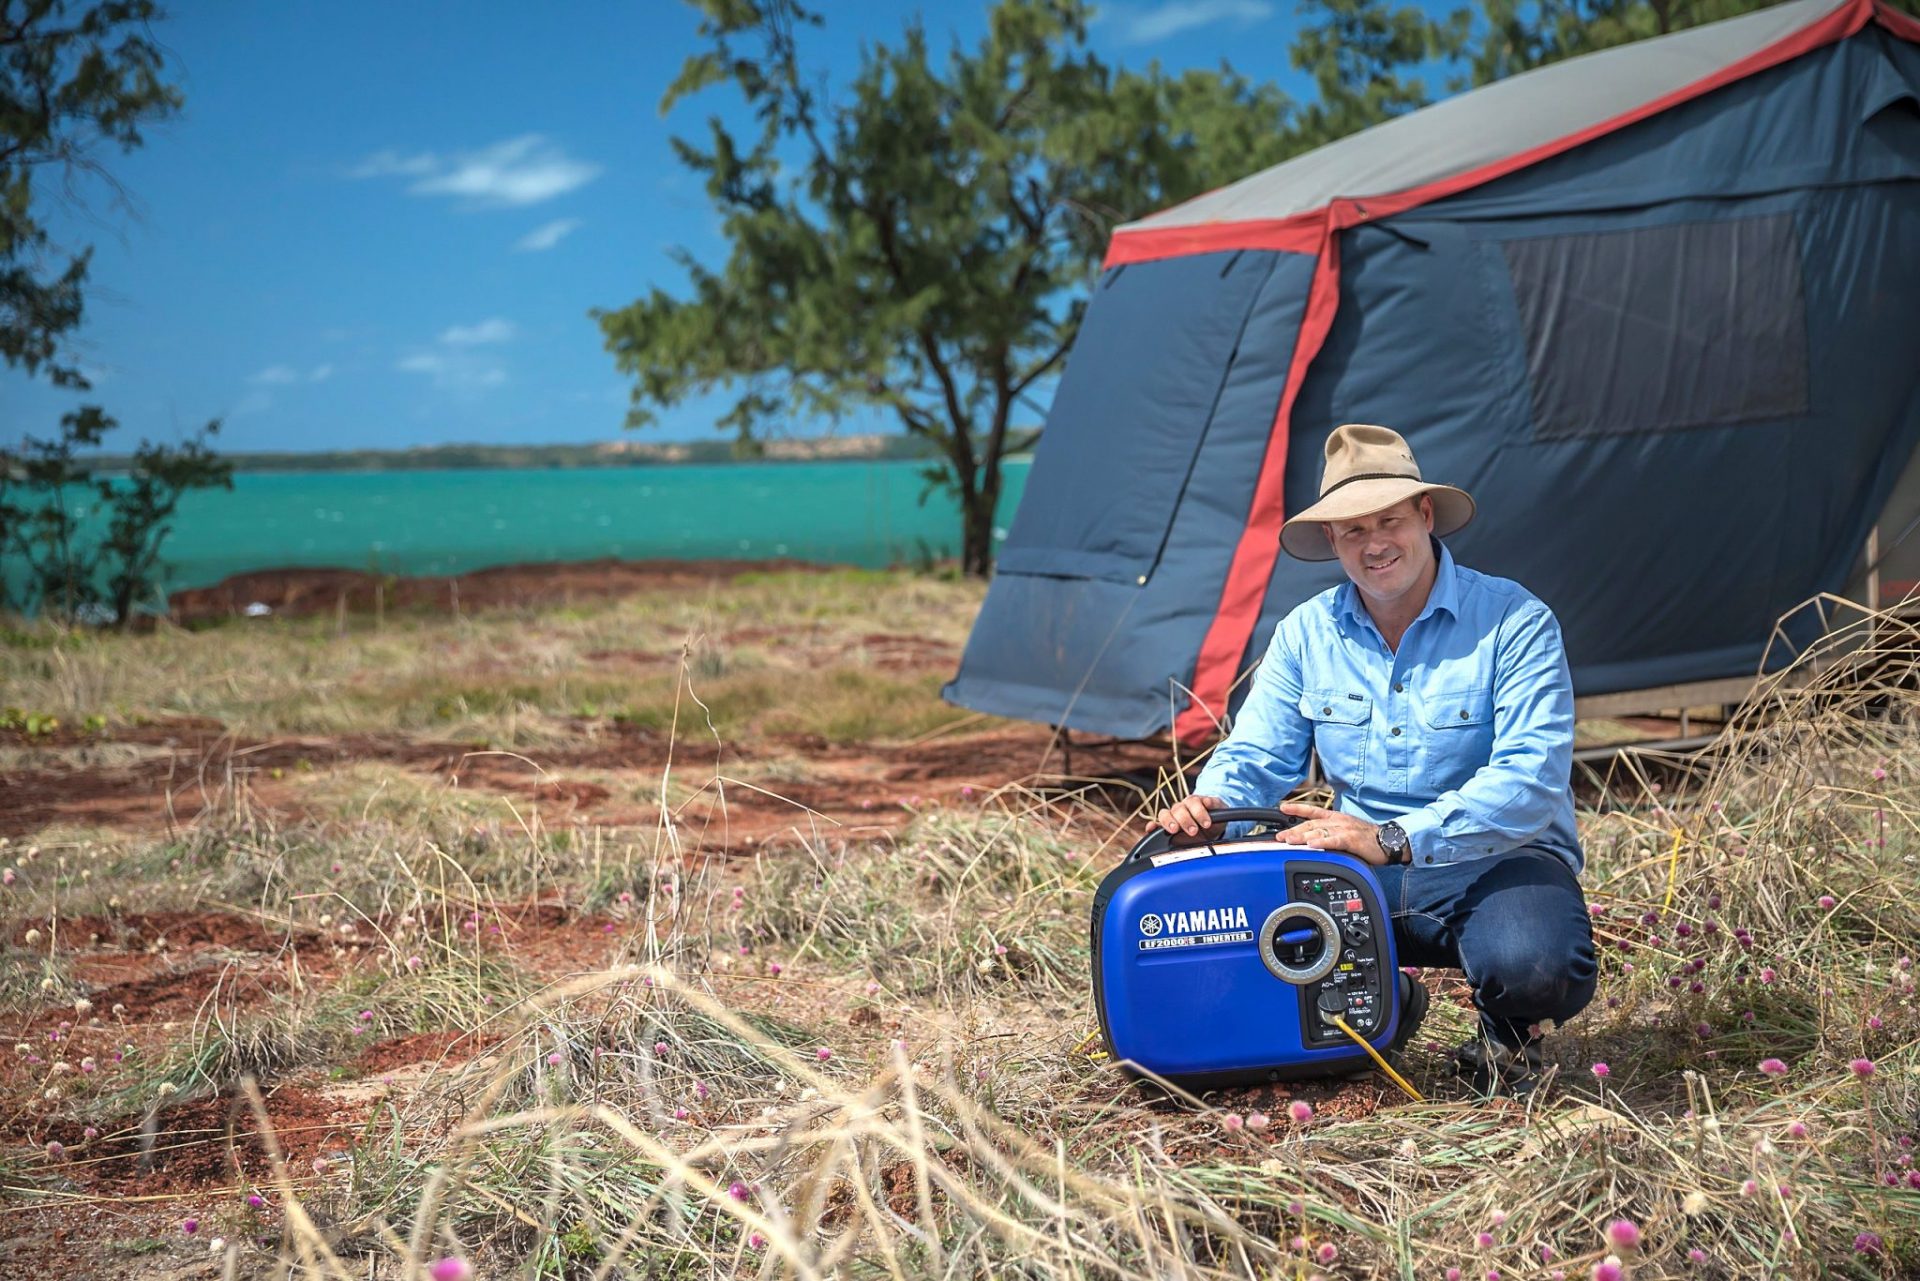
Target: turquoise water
(448, 522)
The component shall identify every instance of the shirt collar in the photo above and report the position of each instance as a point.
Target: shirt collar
(1443, 595)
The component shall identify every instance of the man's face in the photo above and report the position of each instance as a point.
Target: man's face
(1388, 553)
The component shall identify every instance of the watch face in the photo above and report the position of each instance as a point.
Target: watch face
(1393, 838)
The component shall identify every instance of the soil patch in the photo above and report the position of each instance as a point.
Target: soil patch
(205, 764)
(306, 590)
(179, 929)
(447, 1047)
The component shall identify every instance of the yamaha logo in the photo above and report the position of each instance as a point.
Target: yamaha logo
(1150, 924)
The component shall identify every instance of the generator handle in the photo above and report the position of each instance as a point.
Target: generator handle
(1159, 840)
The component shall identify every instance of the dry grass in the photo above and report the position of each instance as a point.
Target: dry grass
(771, 653)
(673, 1116)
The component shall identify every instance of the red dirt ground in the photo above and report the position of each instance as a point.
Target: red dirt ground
(207, 1150)
(306, 591)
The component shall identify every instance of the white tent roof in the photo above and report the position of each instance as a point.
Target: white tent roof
(1496, 121)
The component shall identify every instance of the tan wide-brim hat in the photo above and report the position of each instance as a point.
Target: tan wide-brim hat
(1369, 469)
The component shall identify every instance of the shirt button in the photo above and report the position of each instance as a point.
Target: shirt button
(1429, 858)
(1399, 687)
(1396, 731)
(1326, 711)
(1464, 713)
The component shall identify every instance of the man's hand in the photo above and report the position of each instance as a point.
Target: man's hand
(1188, 821)
(1331, 830)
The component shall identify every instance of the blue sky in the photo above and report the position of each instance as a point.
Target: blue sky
(384, 225)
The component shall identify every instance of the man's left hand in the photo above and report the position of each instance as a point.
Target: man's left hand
(1332, 830)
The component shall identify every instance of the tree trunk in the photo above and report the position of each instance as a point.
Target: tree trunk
(976, 526)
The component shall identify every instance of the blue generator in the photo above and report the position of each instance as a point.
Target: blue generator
(1228, 963)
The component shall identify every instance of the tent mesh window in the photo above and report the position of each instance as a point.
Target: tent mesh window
(1661, 328)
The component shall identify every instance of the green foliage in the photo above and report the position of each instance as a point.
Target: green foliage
(1365, 58)
(1519, 35)
(72, 78)
(85, 562)
(921, 243)
(34, 724)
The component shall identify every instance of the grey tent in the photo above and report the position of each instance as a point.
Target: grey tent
(1658, 308)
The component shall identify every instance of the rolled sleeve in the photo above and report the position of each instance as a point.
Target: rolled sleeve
(1515, 797)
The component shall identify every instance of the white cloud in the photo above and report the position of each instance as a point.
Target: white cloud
(487, 331)
(519, 171)
(457, 364)
(254, 402)
(1150, 25)
(274, 376)
(454, 371)
(547, 236)
(320, 373)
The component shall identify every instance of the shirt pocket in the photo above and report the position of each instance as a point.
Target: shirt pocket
(1459, 736)
(1341, 722)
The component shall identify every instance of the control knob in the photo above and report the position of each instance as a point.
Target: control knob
(1359, 932)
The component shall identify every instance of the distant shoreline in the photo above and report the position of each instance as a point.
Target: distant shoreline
(602, 454)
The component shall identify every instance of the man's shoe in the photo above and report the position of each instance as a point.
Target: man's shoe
(1493, 1068)
(1413, 1012)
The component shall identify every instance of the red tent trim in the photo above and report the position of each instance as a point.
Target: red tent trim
(1903, 25)
(1222, 650)
(1297, 233)
(1253, 557)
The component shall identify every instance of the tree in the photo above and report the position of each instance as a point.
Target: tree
(72, 79)
(90, 545)
(922, 244)
(1366, 60)
(75, 78)
(1519, 35)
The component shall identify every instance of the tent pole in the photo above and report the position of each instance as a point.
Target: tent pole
(1873, 570)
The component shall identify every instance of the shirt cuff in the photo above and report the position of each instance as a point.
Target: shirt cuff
(1424, 841)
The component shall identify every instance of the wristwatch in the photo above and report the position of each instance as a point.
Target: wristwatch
(1394, 843)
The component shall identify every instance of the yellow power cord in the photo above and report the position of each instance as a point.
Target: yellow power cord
(1673, 866)
(1361, 1041)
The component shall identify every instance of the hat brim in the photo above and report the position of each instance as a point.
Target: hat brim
(1304, 538)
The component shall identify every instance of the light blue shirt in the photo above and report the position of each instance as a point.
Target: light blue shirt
(1465, 736)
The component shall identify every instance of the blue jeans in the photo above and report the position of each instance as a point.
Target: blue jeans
(1515, 924)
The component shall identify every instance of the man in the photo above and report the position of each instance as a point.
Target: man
(1439, 703)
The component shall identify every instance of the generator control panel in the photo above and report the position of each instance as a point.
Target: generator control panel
(1328, 941)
